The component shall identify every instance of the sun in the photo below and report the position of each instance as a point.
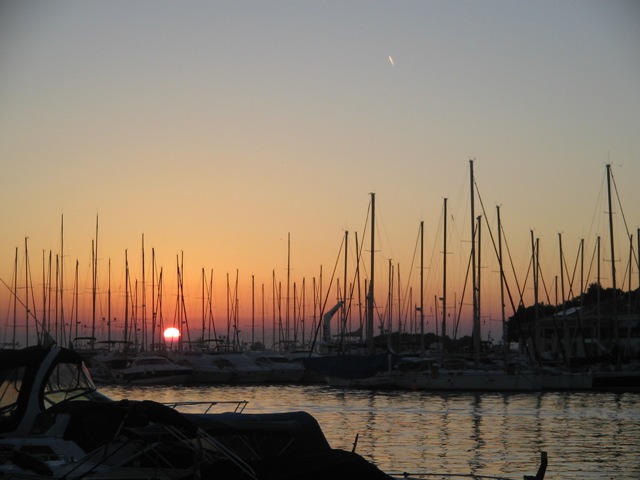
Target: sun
(171, 334)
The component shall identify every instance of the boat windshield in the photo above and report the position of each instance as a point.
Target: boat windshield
(10, 385)
(70, 381)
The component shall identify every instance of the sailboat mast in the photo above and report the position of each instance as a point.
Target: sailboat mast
(263, 314)
(399, 286)
(358, 283)
(210, 324)
(613, 259)
(26, 282)
(273, 308)
(49, 294)
(613, 263)
(534, 261)
(109, 306)
(153, 299)
(370, 303)
(15, 301)
(44, 294)
(303, 312)
(62, 329)
(144, 302)
(630, 270)
(158, 311)
(502, 314)
(228, 313)
(77, 304)
(581, 272)
(422, 287)
(444, 280)
(344, 287)
(59, 337)
(561, 270)
(93, 290)
(479, 285)
(126, 297)
(288, 286)
(236, 310)
(95, 286)
(476, 319)
(390, 304)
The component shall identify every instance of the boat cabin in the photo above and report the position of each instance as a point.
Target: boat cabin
(34, 379)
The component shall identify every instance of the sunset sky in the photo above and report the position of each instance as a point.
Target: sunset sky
(219, 129)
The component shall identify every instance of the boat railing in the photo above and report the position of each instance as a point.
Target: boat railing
(228, 453)
(237, 406)
(205, 448)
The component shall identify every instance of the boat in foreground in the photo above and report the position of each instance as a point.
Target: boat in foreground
(55, 424)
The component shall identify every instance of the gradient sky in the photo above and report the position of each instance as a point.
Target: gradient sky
(218, 128)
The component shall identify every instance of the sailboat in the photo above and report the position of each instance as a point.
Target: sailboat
(579, 343)
(445, 371)
(482, 373)
(616, 376)
(346, 370)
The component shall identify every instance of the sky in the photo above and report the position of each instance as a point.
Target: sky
(245, 139)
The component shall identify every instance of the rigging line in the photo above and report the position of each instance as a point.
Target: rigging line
(572, 295)
(591, 263)
(356, 276)
(14, 281)
(615, 187)
(383, 228)
(364, 231)
(15, 295)
(160, 318)
(553, 316)
(183, 304)
(211, 324)
(376, 311)
(347, 312)
(326, 299)
(493, 242)
(464, 289)
(351, 292)
(513, 271)
(357, 270)
(406, 307)
(504, 277)
(524, 285)
(29, 281)
(572, 277)
(625, 274)
(599, 202)
(544, 286)
(431, 268)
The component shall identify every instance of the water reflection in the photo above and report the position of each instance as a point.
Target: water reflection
(587, 435)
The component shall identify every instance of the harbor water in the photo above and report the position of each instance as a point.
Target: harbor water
(587, 435)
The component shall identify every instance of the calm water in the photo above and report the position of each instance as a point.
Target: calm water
(587, 435)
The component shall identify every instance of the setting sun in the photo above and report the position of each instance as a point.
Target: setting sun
(171, 334)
